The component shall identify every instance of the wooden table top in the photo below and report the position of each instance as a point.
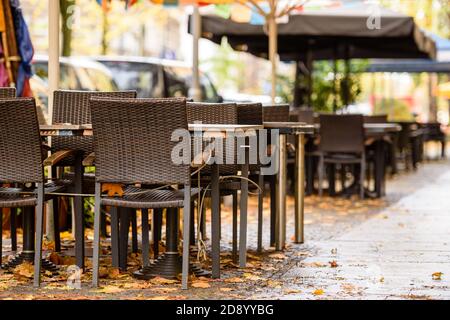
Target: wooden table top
(290, 127)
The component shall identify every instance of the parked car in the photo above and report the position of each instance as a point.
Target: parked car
(75, 74)
(157, 78)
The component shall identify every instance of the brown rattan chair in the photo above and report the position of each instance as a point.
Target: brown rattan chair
(73, 107)
(219, 113)
(7, 93)
(21, 160)
(10, 93)
(342, 142)
(133, 145)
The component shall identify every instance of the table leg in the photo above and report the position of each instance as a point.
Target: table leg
(379, 168)
(215, 221)
(281, 196)
(79, 212)
(300, 189)
(243, 213)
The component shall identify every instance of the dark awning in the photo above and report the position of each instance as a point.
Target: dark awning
(341, 33)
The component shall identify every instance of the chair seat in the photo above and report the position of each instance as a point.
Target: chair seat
(14, 198)
(139, 198)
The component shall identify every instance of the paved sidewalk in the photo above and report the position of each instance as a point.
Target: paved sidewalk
(402, 252)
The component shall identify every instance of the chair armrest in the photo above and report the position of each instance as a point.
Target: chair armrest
(58, 156)
(89, 161)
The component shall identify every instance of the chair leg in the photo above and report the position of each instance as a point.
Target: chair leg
(56, 225)
(124, 228)
(115, 248)
(145, 239)
(192, 224)
(103, 230)
(39, 235)
(321, 170)
(79, 213)
(362, 178)
(96, 256)
(156, 231)
(186, 237)
(1, 238)
(260, 212)
(134, 233)
(13, 222)
(273, 210)
(235, 227)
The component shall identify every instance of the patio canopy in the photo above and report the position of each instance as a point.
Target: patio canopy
(442, 65)
(340, 33)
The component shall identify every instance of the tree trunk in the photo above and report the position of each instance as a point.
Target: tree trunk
(66, 8)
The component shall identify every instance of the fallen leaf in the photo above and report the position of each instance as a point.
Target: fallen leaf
(273, 284)
(234, 280)
(226, 289)
(162, 281)
(333, 264)
(200, 284)
(113, 189)
(251, 277)
(24, 271)
(278, 256)
(291, 291)
(318, 292)
(109, 289)
(437, 276)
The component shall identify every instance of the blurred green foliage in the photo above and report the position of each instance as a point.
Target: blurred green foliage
(397, 110)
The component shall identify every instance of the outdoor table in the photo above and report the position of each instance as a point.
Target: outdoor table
(299, 130)
(377, 131)
(208, 131)
(220, 130)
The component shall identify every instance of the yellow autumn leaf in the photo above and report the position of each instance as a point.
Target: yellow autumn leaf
(251, 277)
(24, 271)
(200, 284)
(437, 276)
(318, 292)
(162, 281)
(234, 280)
(109, 289)
(113, 189)
(226, 289)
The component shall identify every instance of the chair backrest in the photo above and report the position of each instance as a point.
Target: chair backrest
(342, 133)
(73, 107)
(276, 113)
(132, 140)
(212, 113)
(7, 93)
(306, 116)
(20, 142)
(250, 113)
(382, 118)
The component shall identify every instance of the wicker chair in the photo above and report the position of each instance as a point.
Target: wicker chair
(342, 142)
(7, 93)
(217, 113)
(21, 158)
(10, 93)
(73, 107)
(139, 151)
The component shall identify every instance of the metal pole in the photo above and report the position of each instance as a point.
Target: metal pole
(196, 27)
(280, 223)
(53, 84)
(300, 189)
